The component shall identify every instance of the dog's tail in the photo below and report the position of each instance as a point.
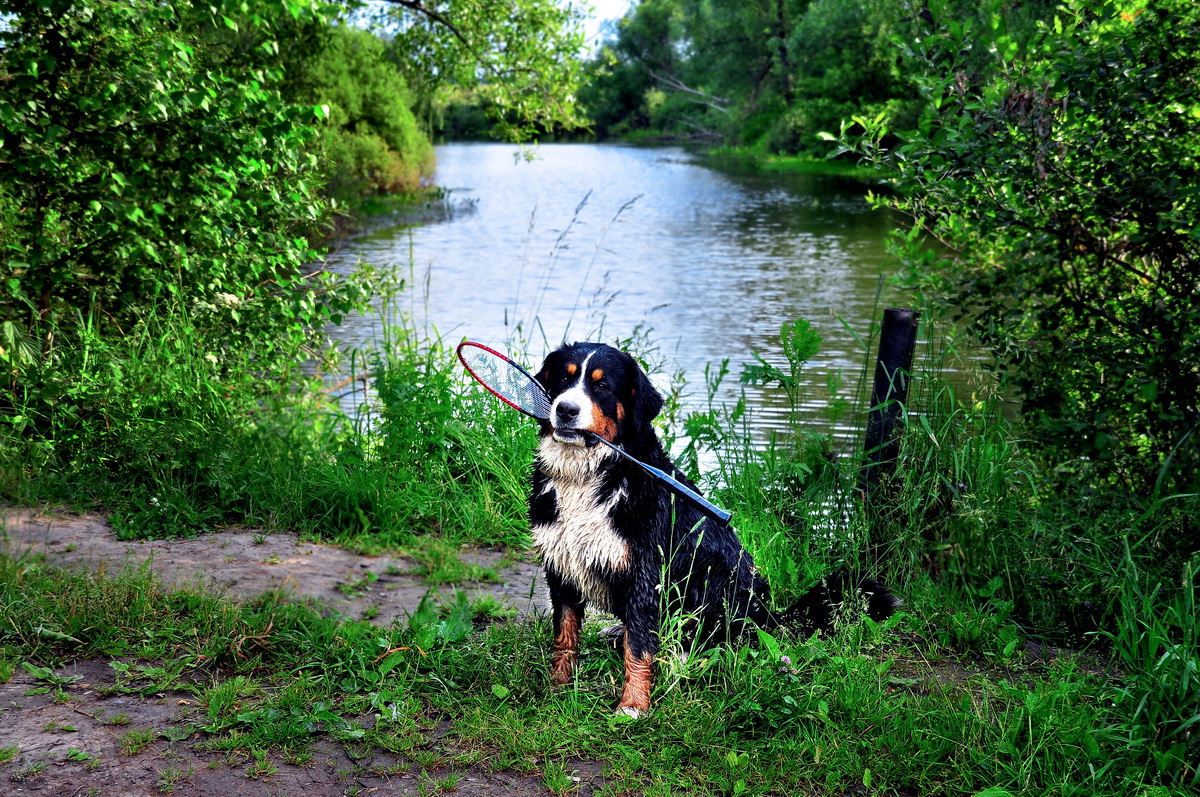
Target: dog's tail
(820, 607)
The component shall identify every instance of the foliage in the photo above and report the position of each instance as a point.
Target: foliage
(1062, 178)
(372, 142)
(142, 166)
(519, 57)
(174, 438)
(891, 707)
(1158, 642)
(772, 74)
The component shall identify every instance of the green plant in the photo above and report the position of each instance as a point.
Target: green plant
(180, 155)
(135, 740)
(1157, 641)
(171, 776)
(558, 779)
(1062, 198)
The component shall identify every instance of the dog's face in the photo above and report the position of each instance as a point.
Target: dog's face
(596, 388)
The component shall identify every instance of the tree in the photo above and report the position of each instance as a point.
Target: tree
(148, 159)
(521, 57)
(1062, 173)
(372, 140)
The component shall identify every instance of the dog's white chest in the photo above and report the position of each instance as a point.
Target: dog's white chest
(581, 543)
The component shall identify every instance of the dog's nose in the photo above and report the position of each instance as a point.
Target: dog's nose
(566, 412)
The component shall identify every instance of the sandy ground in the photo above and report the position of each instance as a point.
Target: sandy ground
(243, 563)
(71, 746)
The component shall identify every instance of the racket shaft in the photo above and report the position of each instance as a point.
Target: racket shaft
(680, 489)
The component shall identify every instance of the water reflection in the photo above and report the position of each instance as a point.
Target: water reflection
(595, 241)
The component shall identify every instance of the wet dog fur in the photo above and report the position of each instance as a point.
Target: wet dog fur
(604, 526)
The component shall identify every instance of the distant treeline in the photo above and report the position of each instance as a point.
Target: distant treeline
(770, 74)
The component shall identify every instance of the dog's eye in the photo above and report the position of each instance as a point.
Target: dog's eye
(601, 385)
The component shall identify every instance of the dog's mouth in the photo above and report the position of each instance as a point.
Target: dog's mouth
(573, 437)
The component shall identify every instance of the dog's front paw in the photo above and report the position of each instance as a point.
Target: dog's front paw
(561, 671)
(633, 712)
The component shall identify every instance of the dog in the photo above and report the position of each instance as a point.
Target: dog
(608, 532)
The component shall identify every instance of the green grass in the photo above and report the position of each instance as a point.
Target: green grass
(797, 164)
(173, 441)
(900, 707)
(990, 548)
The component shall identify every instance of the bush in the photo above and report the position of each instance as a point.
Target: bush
(139, 163)
(1063, 180)
(374, 143)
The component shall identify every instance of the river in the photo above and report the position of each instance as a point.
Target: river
(599, 241)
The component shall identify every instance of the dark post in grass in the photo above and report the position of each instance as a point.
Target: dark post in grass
(889, 393)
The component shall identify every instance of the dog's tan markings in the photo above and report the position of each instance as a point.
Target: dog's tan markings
(603, 425)
(639, 676)
(597, 375)
(566, 647)
(620, 411)
(571, 369)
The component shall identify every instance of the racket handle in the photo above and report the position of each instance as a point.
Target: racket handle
(680, 489)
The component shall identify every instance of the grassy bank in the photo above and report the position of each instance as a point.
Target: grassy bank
(757, 159)
(956, 696)
(898, 709)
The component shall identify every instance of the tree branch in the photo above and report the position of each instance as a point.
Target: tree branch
(675, 84)
(420, 8)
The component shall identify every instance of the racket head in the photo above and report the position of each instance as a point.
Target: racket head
(504, 379)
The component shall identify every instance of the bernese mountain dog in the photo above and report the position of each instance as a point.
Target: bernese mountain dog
(608, 532)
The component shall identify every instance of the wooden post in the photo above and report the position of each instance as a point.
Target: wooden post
(889, 393)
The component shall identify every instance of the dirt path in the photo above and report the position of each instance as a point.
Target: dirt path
(242, 564)
(70, 743)
(77, 743)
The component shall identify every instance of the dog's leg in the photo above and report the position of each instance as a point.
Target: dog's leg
(639, 677)
(568, 607)
(567, 622)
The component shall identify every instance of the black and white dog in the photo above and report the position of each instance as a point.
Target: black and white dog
(604, 528)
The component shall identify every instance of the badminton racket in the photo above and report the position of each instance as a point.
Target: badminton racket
(512, 384)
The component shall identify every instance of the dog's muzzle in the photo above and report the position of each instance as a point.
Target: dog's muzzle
(565, 420)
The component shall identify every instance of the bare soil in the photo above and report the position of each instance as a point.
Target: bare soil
(243, 563)
(68, 743)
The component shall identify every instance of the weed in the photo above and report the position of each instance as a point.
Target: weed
(33, 769)
(488, 607)
(262, 766)
(51, 683)
(171, 776)
(438, 563)
(558, 779)
(135, 740)
(370, 613)
(357, 586)
(8, 753)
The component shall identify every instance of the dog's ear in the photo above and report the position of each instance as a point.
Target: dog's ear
(548, 365)
(644, 402)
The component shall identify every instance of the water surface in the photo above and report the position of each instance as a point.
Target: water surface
(597, 241)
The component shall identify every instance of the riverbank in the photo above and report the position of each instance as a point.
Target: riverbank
(758, 160)
(962, 692)
(115, 683)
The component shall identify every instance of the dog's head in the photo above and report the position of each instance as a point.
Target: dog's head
(596, 388)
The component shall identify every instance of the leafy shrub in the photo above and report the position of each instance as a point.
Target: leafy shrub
(144, 167)
(1063, 177)
(374, 143)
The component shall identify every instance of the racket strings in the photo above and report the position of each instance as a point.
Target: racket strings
(507, 381)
